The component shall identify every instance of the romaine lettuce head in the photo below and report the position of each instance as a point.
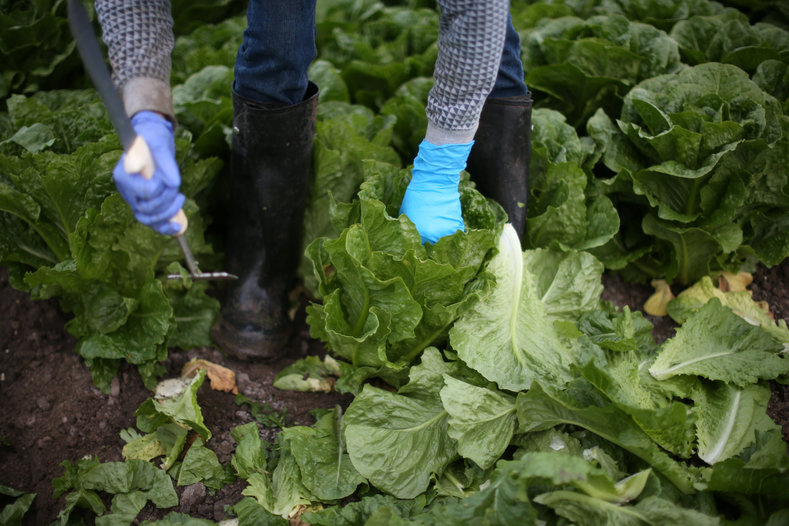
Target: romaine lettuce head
(386, 296)
(581, 64)
(698, 148)
(731, 39)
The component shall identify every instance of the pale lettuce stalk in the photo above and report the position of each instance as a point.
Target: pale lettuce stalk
(282, 492)
(509, 335)
(729, 418)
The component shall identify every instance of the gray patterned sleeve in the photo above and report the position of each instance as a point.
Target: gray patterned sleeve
(470, 44)
(139, 38)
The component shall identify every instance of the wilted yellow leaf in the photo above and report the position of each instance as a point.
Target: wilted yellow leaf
(728, 282)
(146, 447)
(657, 302)
(221, 378)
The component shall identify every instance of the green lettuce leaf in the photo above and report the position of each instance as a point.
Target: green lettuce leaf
(562, 470)
(730, 38)
(360, 511)
(562, 211)
(131, 483)
(717, 344)
(174, 518)
(167, 419)
(617, 330)
(508, 335)
(398, 441)
(215, 44)
(729, 418)
(203, 105)
(12, 513)
(626, 383)
(200, 464)
(407, 104)
(568, 284)
(141, 447)
(281, 492)
(309, 374)
(326, 469)
(251, 513)
(249, 456)
(652, 510)
(481, 420)
(586, 62)
(183, 407)
(741, 303)
(539, 409)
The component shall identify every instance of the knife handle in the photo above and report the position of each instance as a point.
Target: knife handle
(139, 160)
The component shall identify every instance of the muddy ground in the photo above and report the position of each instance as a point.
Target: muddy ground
(50, 410)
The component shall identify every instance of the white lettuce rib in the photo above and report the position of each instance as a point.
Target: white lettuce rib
(715, 453)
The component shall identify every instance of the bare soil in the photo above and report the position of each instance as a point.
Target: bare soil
(50, 411)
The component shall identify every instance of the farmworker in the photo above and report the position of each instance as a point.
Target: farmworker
(479, 116)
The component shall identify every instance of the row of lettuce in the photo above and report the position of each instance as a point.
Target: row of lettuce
(515, 394)
(659, 146)
(541, 404)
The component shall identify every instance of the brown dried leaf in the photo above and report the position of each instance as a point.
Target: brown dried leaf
(657, 302)
(301, 509)
(221, 378)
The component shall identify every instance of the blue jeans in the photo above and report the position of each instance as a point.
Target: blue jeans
(279, 45)
(509, 82)
(277, 48)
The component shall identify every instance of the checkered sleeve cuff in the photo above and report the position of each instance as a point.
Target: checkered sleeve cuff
(470, 44)
(139, 38)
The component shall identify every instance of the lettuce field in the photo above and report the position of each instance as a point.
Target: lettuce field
(625, 365)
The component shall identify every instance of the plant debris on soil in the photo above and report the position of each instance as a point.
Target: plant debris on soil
(51, 411)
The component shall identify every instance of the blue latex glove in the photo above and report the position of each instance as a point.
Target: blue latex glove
(154, 201)
(432, 199)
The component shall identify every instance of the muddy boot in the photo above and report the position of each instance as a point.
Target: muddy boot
(271, 162)
(499, 160)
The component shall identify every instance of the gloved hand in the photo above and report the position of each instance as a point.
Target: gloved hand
(432, 199)
(154, 201)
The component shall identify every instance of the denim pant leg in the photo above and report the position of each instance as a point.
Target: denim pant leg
(277, 48)
(509, 82)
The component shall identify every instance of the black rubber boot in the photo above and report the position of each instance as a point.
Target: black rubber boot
(271, 165)
(499, 160)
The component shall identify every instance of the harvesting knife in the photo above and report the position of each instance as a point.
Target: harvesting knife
(138, 157)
